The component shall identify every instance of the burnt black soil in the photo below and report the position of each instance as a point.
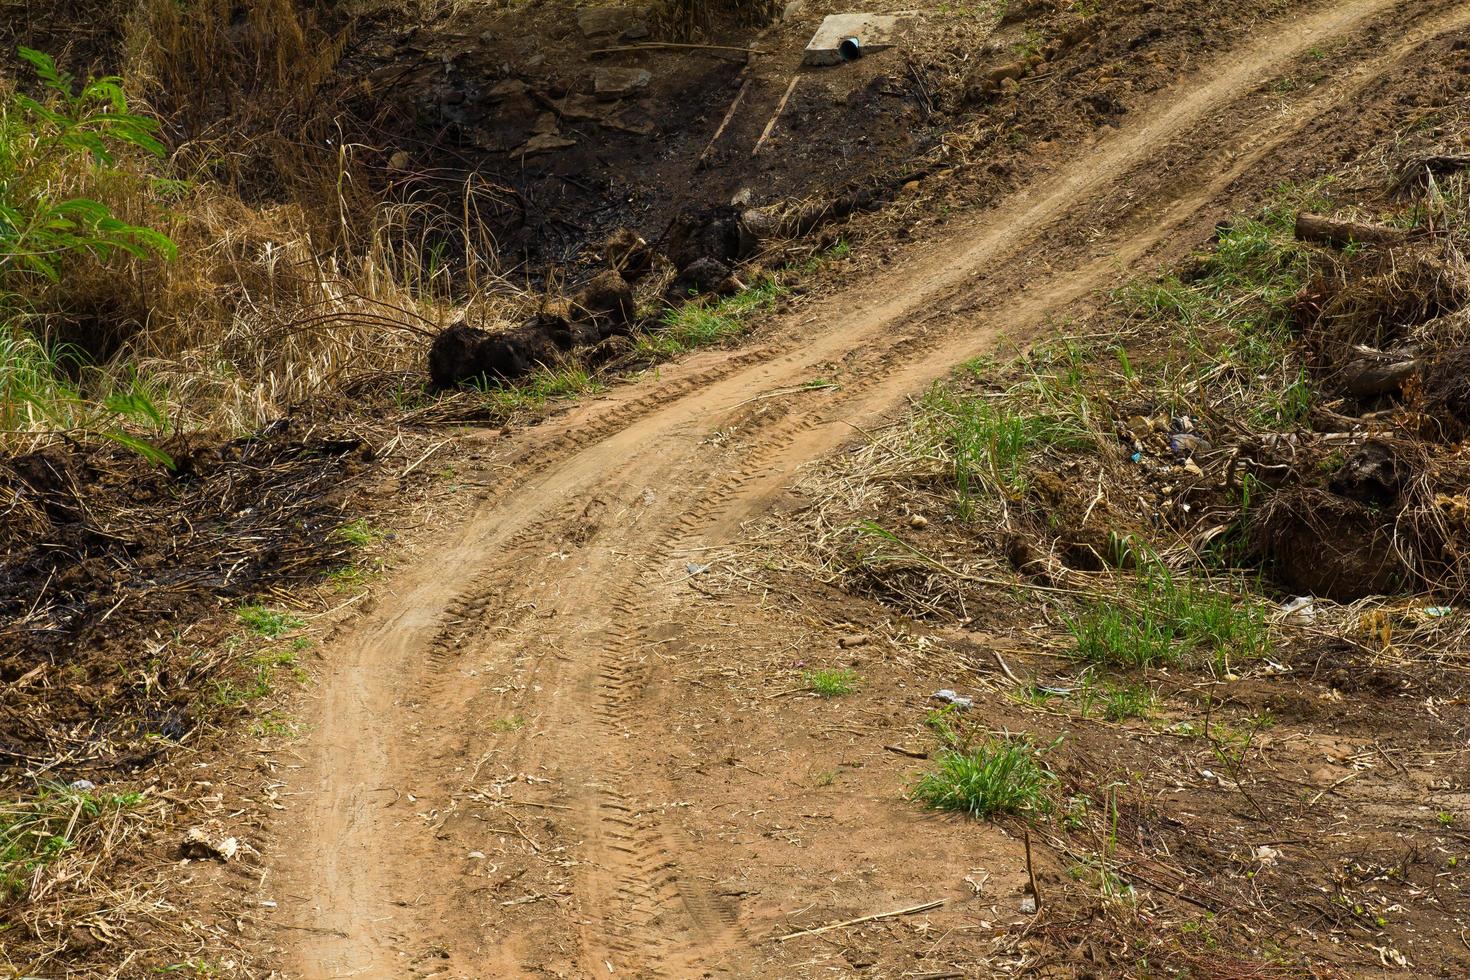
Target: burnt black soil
(111, 562)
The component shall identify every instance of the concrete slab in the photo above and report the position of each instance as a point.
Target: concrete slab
(874, 32)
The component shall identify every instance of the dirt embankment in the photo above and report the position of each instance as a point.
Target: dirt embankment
(1233, 494)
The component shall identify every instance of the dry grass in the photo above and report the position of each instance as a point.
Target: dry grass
(53, 841)
(296, 279)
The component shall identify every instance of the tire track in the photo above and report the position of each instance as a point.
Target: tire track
(642, 910)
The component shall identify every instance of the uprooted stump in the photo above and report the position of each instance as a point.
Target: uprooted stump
(606, 301)
(1375, 474)
(462, 353)
(1330, 546)
(1376, 298)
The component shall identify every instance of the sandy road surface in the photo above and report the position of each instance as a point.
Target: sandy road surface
(550, 597)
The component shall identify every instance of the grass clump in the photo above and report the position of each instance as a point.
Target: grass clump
(832, 682)
(1232, 312)
(694, 325)
(543, 385)
(42, 828)
(358, 533)
(1119, 702)
(1000, 776)
(269, 623)
(988, 445)
(1166, 618)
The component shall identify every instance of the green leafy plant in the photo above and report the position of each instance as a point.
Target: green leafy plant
(40, 828)
(62, 156)
(43, 148)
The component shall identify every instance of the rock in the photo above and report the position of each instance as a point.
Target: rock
(609, 84)
(606, 300)
(506, 89)
(622, 23)
(544, 143)
(398, 161)
(209, 842)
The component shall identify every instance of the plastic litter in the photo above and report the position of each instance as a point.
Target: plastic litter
(1185, 445)
(1300, 611)
(950, 697)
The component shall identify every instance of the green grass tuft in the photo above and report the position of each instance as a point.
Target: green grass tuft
(1167, 618)
(1000, 776)
(540, 387)
(988, 445)
(269, 623)
(694, 325)
(358, 533)
(832, 682)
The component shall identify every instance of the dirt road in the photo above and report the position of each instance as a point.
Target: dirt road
(508, 683)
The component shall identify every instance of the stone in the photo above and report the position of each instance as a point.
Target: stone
(619, 23)
(544, 143)
(875, 32)
(506, 89)
(209, 841)
(618, 83)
